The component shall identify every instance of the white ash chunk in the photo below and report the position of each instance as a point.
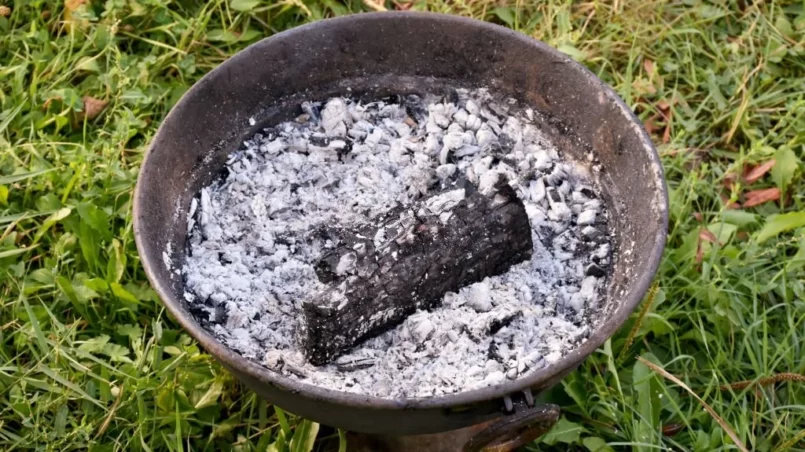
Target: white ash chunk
(446, 171)
(559, 210)
(274, 359)
(422, 330)
(272, 147)
(346, 264)
(542, 160)
(603, 251)
(466, 150)
(335, 118)
(588, 287)
(536, 190)
(473, 122)
(479, 297)
(488, 181)
(445, 202)
(494, 378)
(485, 136)
(586, 218)
(472, 107)
(460, 117)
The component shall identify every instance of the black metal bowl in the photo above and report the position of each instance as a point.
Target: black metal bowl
(376, 55)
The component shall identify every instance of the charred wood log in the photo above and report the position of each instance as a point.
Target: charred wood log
(379, 276)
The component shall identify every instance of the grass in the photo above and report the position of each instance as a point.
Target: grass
(90, 361)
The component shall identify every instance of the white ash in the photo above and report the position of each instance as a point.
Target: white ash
(253, 242)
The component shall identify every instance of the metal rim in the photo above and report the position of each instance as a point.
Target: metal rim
(229, 358)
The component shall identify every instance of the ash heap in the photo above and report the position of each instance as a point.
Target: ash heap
(402, 248)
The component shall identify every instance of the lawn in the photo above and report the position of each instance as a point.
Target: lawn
(89, 360)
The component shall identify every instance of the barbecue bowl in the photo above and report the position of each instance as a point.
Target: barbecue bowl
(375, 55)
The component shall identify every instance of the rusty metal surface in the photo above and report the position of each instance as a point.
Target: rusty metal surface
(515, 430)
(373, 55)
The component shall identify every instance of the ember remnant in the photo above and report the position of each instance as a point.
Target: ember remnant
(308, 207)
(436, 246)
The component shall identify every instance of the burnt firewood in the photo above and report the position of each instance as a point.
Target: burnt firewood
(378, 276)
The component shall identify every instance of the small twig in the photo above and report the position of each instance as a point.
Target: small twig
(764, 381)
(374, 5)
(652, 293)
(724, 426)
(111, 414)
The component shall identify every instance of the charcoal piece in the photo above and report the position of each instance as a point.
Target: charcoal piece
(496, 324)
(595, 270)
(409, 263)
(494, 352)
(415, 109)
(358, 364)
(588, 193)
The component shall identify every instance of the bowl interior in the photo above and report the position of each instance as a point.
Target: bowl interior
(375, 55)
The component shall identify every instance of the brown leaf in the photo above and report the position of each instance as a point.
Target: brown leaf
(663, 105)
(666, 135)
(758, 171)
(648, 65)
(726, 201)
(672, 429)
(403, 6)
(699, 253)
(707, 236)
(70, 7)
(49, 101)
(756, 197)
(5, 11)
(650, 126)
(92, 108)
(698, 216)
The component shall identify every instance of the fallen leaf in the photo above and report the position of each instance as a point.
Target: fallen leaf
(92, 108)
(726, 201)
(729, 179)
(49, 101)
(663, 105)
(752, 175)
(650, 126)
(5, 11)
(707, 236)
(756, 197)
(666, 135)
(70, 7)
(672, 429)
(698, 216)
(648, 65)
(403, 6)
(699, 253)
